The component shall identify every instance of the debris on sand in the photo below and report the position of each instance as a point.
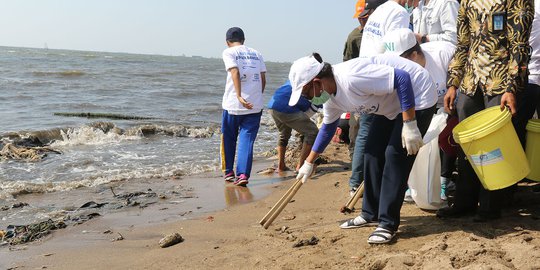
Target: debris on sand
(26, 233)
(170, 240)
(12, 152)
(307, 242)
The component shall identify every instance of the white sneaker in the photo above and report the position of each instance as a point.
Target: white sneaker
(352, 191)
(408, 197)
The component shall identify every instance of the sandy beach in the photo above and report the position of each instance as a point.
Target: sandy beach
(231, 238)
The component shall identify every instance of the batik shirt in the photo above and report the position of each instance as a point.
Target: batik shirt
(493, 49)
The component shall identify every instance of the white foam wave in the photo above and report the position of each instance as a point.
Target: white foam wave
(10, 188)
(91, 136)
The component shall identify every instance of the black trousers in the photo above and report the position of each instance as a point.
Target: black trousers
(470, 193)
(387, 167)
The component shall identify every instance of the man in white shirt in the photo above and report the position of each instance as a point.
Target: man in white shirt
(435, 20)
(242, 106)
(365, 85)
(435, 57)
(393, 14)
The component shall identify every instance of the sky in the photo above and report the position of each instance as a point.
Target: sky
(281, 30)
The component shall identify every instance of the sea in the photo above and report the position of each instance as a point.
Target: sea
(114, 116)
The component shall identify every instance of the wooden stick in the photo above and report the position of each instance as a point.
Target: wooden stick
(278, 203)
(282, 206)
(359, 193)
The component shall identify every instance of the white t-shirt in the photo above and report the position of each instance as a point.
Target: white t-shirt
(366, 85)
(438, 56)
(386, 17)
(534, 42)
(250, 63)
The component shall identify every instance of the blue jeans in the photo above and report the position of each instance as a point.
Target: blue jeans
(357, 174)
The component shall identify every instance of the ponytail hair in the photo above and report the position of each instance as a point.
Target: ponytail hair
(326, 71)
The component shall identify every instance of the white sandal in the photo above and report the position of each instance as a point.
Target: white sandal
(381, 236)
(357, 222)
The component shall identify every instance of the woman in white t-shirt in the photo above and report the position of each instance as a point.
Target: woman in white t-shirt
(402, 111)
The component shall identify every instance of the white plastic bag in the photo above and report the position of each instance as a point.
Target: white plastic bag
(425, 177)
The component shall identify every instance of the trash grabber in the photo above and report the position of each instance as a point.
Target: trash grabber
(278, 203)
(283, 204)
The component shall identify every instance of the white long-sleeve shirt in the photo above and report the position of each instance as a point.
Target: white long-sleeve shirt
(534, 42)
(437, 20)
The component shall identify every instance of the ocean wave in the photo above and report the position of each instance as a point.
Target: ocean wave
(90, 135)
(173, 130)
(65, 73)
(101, 133)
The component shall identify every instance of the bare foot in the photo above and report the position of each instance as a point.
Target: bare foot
(282, 169)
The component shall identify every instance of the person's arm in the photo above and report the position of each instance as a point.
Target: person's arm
(456, 69)
(235, 75)
(448, 18)
(352, 47)
(326, 132)
(404, 89)
(399, 20)
(411, 138)
(520, 14)
(263, 80)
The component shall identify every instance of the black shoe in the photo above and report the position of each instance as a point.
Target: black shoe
(481, 218)
(454, 212)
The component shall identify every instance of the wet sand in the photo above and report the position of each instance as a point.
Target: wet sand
(231, 238)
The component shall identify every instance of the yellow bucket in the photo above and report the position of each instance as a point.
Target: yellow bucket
(532, 150)
(491, 145)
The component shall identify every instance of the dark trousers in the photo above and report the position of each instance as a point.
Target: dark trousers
(387, 167)
(448, 164)
(528, 103)
(469, 191)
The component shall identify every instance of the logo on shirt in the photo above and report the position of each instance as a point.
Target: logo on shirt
(367, 109)
(247, 55)
(375, 28)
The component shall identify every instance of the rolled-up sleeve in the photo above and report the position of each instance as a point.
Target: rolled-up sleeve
(448, 13)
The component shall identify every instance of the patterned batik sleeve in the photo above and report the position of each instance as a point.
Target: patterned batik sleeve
(520, 15)
(457, 65)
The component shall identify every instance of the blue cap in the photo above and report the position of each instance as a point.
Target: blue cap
(235, 33)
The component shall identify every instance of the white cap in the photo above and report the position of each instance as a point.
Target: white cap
(398, 41)
(302, 72)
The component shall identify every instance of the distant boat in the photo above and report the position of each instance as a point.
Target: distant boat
(45, 46)
(196, 56)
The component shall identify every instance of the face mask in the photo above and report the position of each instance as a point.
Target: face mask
(409, 9)
(321, 100)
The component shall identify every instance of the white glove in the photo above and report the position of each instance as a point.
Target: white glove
(305, 171)
(411, 137)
